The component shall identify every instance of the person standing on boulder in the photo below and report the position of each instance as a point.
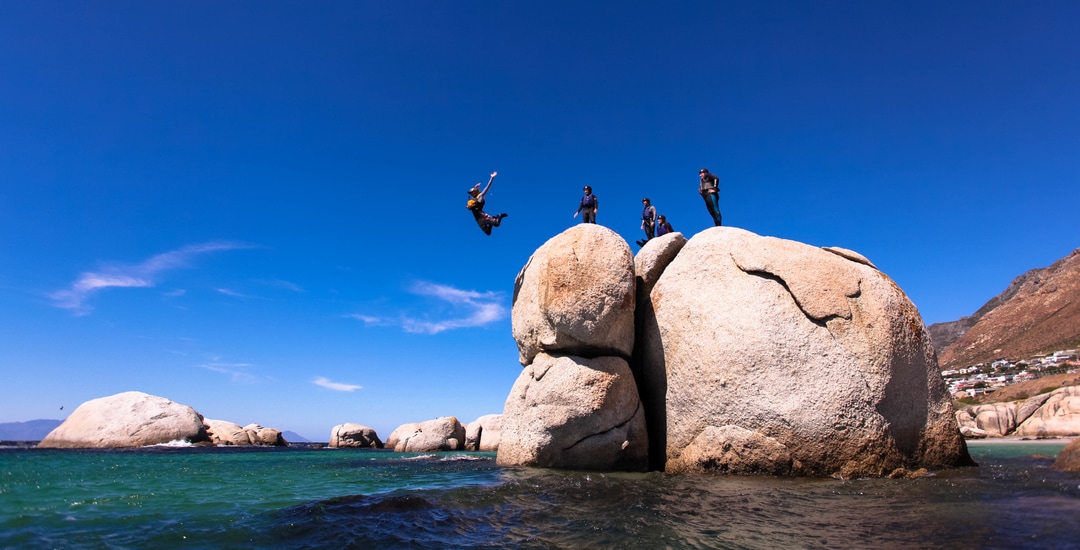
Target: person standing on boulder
(476, 205)
(709, 188)
(588, 207)
(648, 220)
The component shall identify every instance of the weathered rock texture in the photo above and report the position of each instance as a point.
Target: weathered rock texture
(750, 355)
(576, 296)
(1068, 459)
(441, 434)
(1053, 414)
(571, 412)
(807, 355)
(226, 433)
(129, 419)
(649, 265)
(354, 435)
(1059, 415)
(484, 433)
(997, 419)
(576, 403)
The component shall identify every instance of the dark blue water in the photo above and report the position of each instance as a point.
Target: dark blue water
(320, 498)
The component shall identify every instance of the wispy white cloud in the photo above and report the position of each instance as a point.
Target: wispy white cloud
(468, 308)
(287, 285)
(336, 386)
(237, 372)
(142, 275)
(369, 320)
(230, 292)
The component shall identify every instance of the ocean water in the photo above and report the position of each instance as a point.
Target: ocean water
(306, 497)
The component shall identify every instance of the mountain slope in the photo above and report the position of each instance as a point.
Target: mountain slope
(34, 430)
(1039, 312)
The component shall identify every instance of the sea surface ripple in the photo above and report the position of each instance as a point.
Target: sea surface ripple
(309, 497)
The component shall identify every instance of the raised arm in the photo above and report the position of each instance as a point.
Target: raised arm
(484, 192)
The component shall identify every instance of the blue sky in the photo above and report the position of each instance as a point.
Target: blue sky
(257, 208)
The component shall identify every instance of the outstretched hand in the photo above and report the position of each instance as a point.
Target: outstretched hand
(493, 174)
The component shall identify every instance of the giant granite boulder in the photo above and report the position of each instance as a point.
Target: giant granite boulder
(812, 359)
(576, 296)
(354, 435)
(571, 412)
(576, 404)
(129, 419)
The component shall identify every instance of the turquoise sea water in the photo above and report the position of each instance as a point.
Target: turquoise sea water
(305, 497)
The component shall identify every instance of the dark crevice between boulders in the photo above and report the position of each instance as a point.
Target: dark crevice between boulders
(584, 352)
(650, 376)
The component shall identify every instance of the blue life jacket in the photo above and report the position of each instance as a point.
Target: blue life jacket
(588, 200)
(646, 215)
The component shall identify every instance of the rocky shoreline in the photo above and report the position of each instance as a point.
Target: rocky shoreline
(726, 353)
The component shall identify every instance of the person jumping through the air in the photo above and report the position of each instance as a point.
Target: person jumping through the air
(476, 204)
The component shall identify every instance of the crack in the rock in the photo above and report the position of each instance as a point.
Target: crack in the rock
(609, 430)
(822, 322)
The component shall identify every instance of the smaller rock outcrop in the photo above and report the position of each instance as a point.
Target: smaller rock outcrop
(571, 412)
(441, 434)
(484, 433)
(354, 435)
(734, 450)
(653, 258)
(129, 419)
(224, 433)
(1058, 415)
(1053, 414)
(1068, 459)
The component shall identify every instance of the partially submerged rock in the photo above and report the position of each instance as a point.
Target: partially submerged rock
(821, 354)
(751, 355)
(576, 403)
(572, 412)
(226, 433)
(129, 419)
(354, 435)
(441, 434)
(1068, 460)
(484, 433)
